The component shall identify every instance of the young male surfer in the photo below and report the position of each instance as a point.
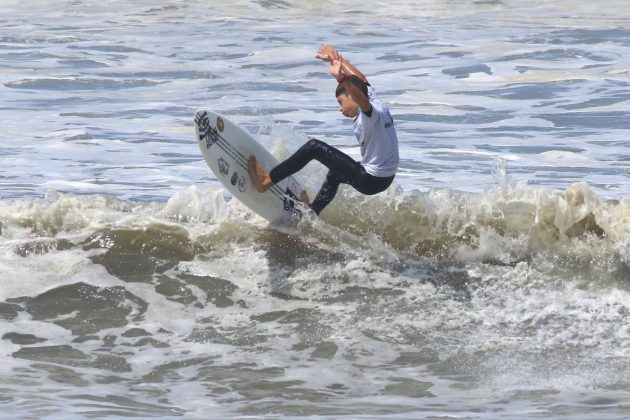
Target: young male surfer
(373, 127)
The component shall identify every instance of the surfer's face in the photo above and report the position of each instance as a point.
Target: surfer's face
(347, 106)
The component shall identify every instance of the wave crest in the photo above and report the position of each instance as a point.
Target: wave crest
(515, 223)
(512, 224)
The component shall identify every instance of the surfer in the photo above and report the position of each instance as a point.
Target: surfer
(373, 127)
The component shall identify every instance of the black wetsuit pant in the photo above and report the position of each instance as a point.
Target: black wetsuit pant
(342, 169)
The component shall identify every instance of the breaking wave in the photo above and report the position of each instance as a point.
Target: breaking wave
(573, 229)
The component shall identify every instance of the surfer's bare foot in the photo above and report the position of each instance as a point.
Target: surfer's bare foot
(304, 198)
(262, 181)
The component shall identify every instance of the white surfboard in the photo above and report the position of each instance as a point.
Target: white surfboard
(226, 148)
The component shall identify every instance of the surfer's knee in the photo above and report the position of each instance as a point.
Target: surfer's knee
(333, 177)
(318, 149)
(315, 144)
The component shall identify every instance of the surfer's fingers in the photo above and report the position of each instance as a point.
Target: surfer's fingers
(323, 54)
(327, 49)
(332, 51)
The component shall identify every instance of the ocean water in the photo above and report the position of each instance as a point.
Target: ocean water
(491, 281)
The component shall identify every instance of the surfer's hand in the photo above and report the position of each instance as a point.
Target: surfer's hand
(327, 53)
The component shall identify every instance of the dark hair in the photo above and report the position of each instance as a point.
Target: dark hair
(356, 82)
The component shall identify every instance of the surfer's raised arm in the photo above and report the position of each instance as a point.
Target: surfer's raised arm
(344, 74)
(329, 53)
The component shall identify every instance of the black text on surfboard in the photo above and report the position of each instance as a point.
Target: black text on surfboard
(289, 202)
(206, 132)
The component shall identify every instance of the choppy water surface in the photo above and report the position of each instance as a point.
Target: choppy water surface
(491, 281)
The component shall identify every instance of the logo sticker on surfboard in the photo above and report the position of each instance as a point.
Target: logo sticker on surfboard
(224, 166)
(242, 184)
(220, 124)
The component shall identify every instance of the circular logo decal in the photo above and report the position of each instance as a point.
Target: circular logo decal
(220, 125)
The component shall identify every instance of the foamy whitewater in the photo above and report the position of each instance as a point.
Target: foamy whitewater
(491, 281)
